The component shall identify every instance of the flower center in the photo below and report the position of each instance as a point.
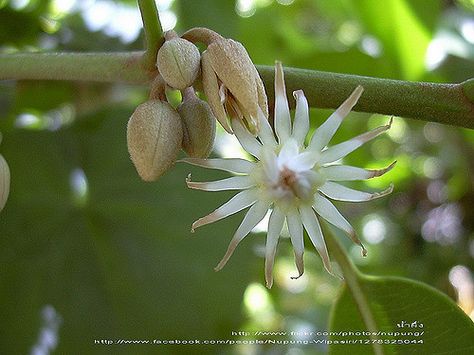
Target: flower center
(288, 180)
(298, 186)
(289, 187)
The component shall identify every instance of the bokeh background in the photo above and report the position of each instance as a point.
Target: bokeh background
(88, 252)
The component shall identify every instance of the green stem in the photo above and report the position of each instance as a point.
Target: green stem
(102, 67)
(153, 32)
(352, 280)
(451, 104)
(444, 103)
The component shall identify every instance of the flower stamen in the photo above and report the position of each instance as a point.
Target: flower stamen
(295, 180)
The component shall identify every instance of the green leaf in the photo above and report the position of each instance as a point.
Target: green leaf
(120, 261)
(403, 306)
(405, 29)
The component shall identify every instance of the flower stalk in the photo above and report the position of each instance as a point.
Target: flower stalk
(352, 278)
(153, 32)
(451, 104)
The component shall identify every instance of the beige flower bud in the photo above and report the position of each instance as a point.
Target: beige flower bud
(232, 84)
(199, 125)
(4, 182)
(154, 136)
(178, 62)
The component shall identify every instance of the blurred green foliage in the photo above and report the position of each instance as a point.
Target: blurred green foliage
(114, 257)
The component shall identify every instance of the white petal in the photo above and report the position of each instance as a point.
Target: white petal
(288, 152)
(301, 123)
(340, 150)
(248, 142)
(254, 215)
(282, 111)
(303, 161)
(270, 164)
(329, 212)
(232, 183)
(343, 193)
(233, 165)
(347, 173)
(275, 225)
(311, 224)
(265, 133)
(237, 203)
(295, 227)
(325, 132)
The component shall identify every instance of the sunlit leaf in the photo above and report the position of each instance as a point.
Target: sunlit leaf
(427, 322)
(404, 29)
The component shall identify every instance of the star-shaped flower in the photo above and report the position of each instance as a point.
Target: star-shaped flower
(293, 180)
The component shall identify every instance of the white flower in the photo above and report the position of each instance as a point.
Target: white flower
(292, 179)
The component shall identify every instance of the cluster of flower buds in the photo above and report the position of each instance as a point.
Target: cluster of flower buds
(4, 180)
(157, 131)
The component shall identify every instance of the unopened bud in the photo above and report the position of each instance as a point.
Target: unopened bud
(232, 84)
(154, 136)
(178, 62)
(199, 125)
(4, 182)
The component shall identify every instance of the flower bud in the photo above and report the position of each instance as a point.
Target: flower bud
(232, 84)
(199, 125)
(4, 182)
(230, 80)
(178, 62)
(154, 136)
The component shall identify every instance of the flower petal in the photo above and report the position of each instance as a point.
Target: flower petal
(343, 193)
(340, 150)
(311, 224)
(237, 203)
(301, 123)
(269, 164)
(282, 110)
(211, 89)
(348, 173)
(329, 212)
(265, 133)
(295, 227)
(325, 132)
(233, 165)
(303, 161)
(275, 225)
(233, 183)
(248, 142)
(288, 152)
(253, 216)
